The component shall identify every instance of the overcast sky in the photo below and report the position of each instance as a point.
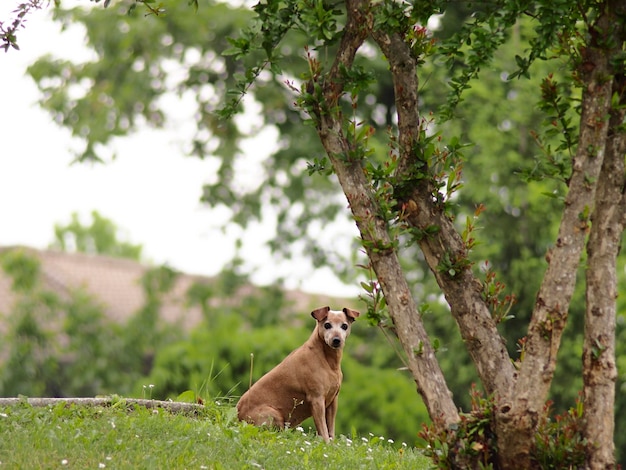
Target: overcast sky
(151, 191)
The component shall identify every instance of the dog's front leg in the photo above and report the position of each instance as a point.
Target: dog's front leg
(331, 412)
(319, 417)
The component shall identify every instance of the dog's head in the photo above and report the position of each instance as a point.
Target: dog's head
(333, 326)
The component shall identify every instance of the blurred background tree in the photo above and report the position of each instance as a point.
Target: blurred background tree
(101, 237)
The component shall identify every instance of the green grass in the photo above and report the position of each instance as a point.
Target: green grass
(133, 437)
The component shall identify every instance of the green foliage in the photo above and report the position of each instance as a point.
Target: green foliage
(559, 441)
(89, 358)
(374, 298)
(29, 364)
(557, 29)
(145, 331)
(123, 436)
(473, 48)
(556, 103)
(100, 237)
(559, 135)
(493, 289)
(452, 265)
(387, 406)
(23, 269)
(215, 360)
(471, 444)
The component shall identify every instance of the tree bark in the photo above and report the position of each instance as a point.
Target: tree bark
(517, 417)
(599, 368)
(463, 291)
(374, 230)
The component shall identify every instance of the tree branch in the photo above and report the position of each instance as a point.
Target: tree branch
(374, 231)
(463, 291)
(8, 34)
(517, 418)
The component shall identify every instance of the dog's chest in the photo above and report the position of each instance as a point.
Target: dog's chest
(333, 382)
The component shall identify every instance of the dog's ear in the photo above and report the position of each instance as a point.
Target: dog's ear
(320, 313)
(351, 314)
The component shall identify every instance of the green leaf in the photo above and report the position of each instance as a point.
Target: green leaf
(188, 396)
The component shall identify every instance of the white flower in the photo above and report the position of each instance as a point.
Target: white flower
(101, 465)
(64, 462)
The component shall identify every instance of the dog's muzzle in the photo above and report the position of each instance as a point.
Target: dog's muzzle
(336, 342)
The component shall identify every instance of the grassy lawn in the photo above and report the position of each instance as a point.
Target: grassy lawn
(124, 437)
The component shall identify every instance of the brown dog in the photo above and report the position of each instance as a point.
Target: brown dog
(306, 383)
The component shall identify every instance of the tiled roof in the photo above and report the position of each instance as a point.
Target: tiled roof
(116, 283)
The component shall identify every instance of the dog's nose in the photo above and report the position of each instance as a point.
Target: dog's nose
(336, 342)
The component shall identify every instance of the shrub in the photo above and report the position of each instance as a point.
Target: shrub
(559, 442)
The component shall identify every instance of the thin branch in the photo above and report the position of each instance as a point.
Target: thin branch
(8, 34)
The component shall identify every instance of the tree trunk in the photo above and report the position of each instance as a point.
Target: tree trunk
(516, 418)
(374, 230)
(599, 369)
(462, 290)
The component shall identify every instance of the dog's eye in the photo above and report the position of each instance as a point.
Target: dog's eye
(344, 326)
(328, 326)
